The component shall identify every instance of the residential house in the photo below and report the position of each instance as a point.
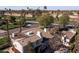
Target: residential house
(67, 37)
(21, 40)
(31, 24)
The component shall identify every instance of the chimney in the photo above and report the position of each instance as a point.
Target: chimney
(13, 34)
(45, 29)
(39, 34)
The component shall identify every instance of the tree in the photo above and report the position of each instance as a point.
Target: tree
(78, 12)
(70, 13)
(63, 20)
(27, 7)
(10, 12)
(57, 14)
(21, 19)
(0, 17)
(45, 7)
(77, 30)
(6, 18)
(76, 43)
(2, 13)
(37, 12)
(12, 18)
(45, 20)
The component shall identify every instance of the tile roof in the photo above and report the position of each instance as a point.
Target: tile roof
(55, 42)
(68, 34)
(24, 39)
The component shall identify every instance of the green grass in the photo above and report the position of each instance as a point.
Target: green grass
(3, 40)
(11, 26)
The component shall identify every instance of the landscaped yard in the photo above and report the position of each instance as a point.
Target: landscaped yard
(4, 43)
(3, 40)
(11, 26)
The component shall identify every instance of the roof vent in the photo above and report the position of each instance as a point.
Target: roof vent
(29, 33)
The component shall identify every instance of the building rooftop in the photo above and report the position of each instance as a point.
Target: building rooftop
(24, 41)
(24, 37)
(55, 42)
(68, 34)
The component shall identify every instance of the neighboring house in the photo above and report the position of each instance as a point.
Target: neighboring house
(67, 37)
(31, 24)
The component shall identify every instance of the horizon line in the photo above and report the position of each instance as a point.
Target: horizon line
(41, 7)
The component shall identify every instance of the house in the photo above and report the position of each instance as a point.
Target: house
(67, 37)
(31, 24)
(21, 40)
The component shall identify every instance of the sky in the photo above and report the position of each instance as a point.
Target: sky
(41, 7)
(52, 4)
(39, 2)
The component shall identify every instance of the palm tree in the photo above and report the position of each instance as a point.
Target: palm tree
(22, 19)
(7, 24)
(57, 18)
(45, 7)
(27, 7)
(38, 12)
(10, 11)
